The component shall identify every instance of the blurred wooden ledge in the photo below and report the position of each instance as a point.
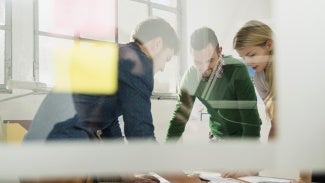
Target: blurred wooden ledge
(13, 131)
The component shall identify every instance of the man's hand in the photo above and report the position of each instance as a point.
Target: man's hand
(185, 108)
(140, 179)
(304, 177)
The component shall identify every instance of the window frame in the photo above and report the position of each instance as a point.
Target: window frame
(7, 27)
(38, 33)
(151, 5)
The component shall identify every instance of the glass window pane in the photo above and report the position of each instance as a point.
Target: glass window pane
(2, 12)
(167, 81)
(127, 20)
(94, 19)
(48, 48)
(168, 16)
(2, 58)
(172, 3)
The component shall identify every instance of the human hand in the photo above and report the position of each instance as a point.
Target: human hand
(196, 178)
(304, 177)
(301, 181)
(181, 177)
(140, 179)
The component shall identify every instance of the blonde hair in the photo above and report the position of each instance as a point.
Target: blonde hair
(256, 33)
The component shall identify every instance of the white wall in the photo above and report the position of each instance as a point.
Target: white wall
(300, 71)
(225, 17)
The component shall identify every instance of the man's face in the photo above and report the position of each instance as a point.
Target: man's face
(161, 58)
(205, 60)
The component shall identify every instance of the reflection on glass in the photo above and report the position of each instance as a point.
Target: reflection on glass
(2, 58)
(172, 3)
(2, 12)
(84, 18)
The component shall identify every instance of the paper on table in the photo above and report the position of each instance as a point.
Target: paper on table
(224, 180)
(214, 177)
(259, 179)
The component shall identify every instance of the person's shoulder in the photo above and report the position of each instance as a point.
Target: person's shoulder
(131, 52)
(191, 71)
(126, 49)
(231, 61)
(233, 65)
(66, 130)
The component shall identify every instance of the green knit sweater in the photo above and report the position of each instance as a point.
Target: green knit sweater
(230, 101)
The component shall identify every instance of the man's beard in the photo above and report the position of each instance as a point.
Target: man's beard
(206, 74)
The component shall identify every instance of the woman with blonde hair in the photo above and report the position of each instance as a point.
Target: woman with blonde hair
(254, 43)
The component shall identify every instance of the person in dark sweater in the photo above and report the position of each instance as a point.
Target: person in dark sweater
(155, 43)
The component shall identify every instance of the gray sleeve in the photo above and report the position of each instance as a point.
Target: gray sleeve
(260, 84)
(56, 107)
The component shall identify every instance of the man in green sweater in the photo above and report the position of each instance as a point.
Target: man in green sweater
(223, 85)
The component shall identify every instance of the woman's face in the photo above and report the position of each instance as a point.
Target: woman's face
(256, 57)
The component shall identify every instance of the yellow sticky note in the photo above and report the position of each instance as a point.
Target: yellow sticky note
(90, 67)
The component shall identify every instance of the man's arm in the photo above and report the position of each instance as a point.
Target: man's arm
(134, 97)
(184, 105)
(181, 115)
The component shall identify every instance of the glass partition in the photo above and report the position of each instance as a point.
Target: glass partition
(108, 122)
